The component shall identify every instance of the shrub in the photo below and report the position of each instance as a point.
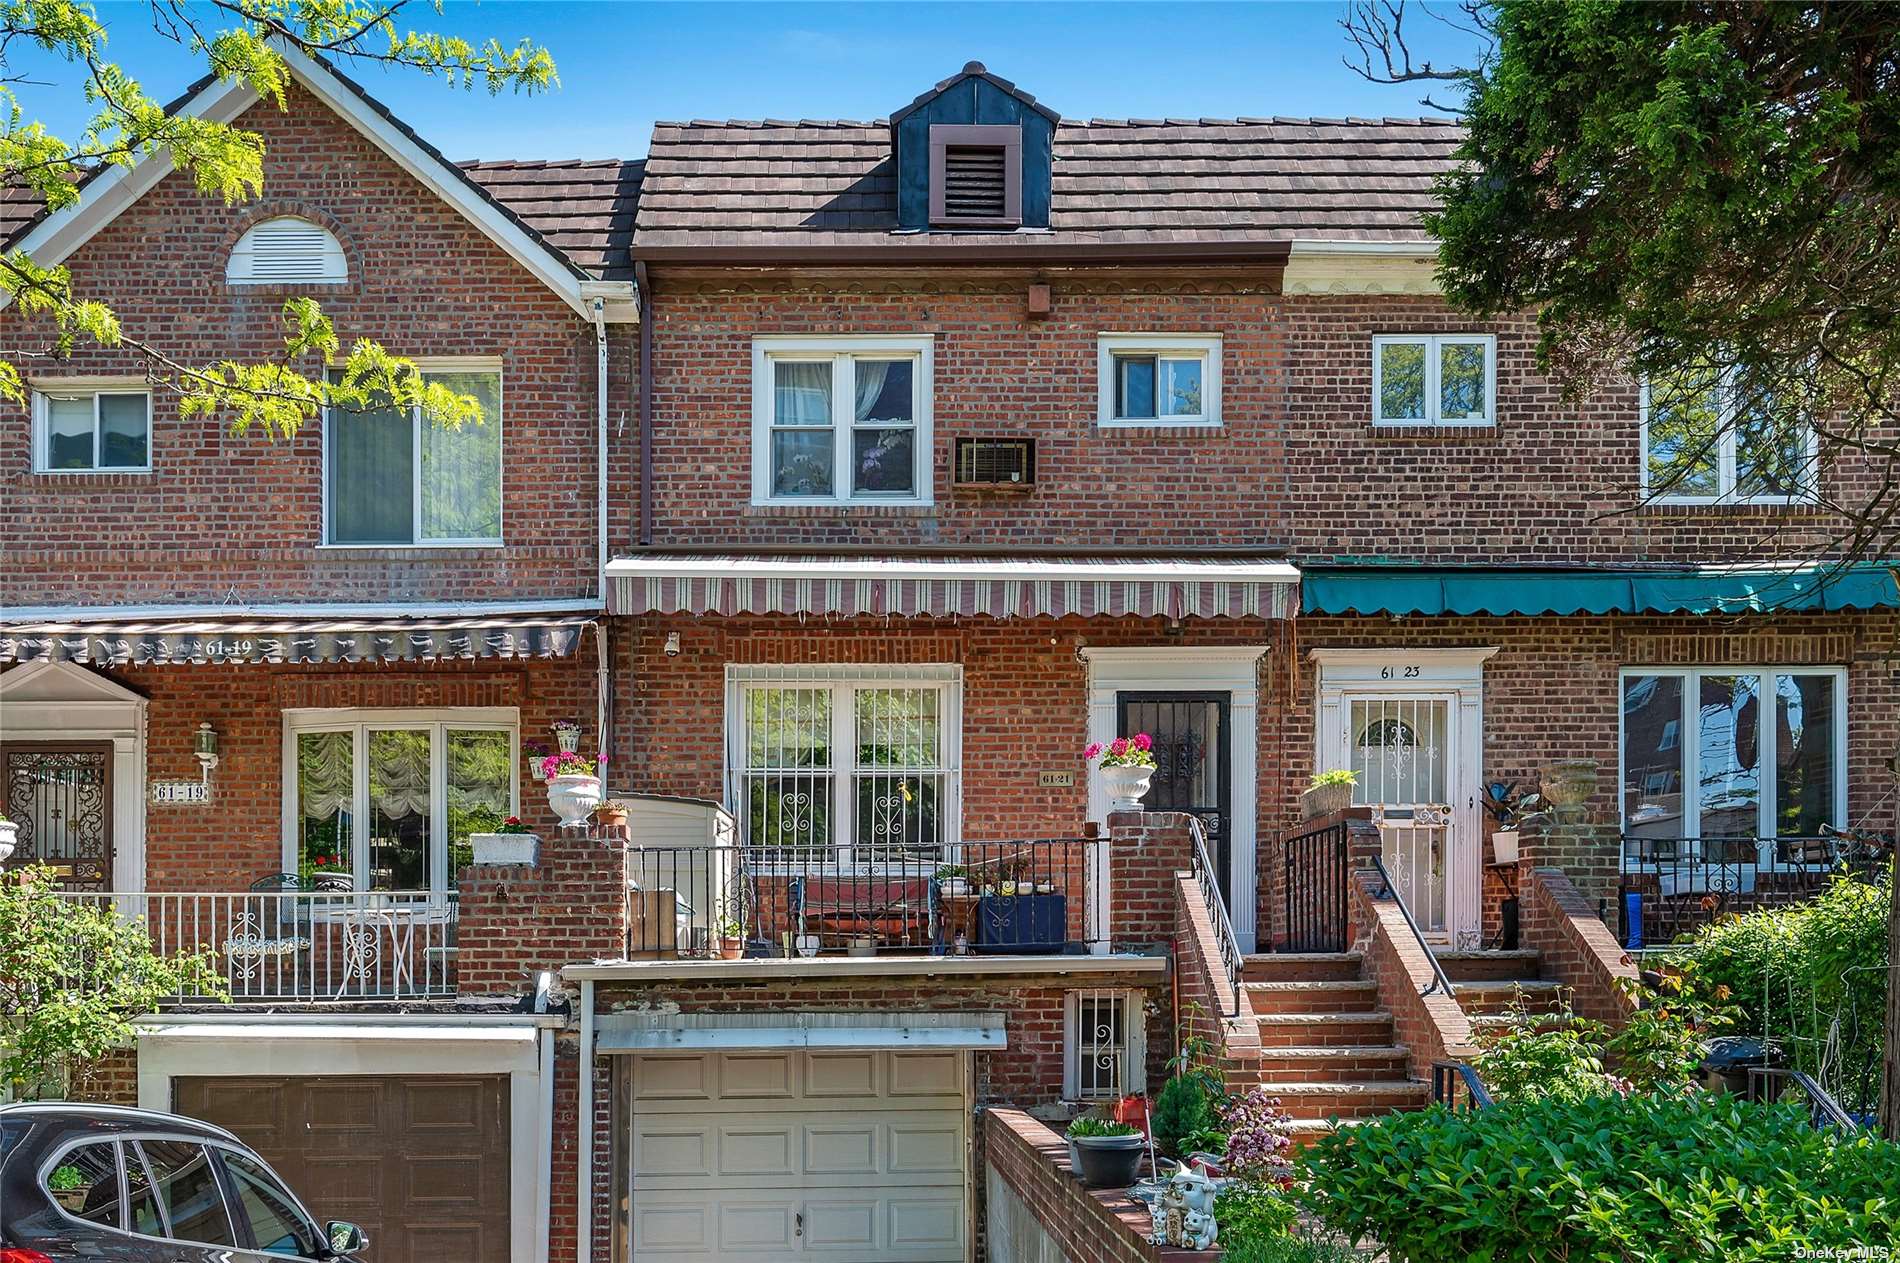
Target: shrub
(1185, 1116)
(1286, 1249)
(1803, 975)
(1539, 1056)
(1252, 1212)
(1641, 1179)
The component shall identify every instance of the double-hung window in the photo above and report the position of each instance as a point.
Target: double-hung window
(841, 420)
(1733, 753)
(1157, 379)
(1434, 379)
(1707, 439)
(386, 800)
(92, 431)
(857, 764)
(392, 477)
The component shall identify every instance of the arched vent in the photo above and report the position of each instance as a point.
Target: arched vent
(286, 251)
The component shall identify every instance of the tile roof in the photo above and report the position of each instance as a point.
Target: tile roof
(583, 209)
(823, 183)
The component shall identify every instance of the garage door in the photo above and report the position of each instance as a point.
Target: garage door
(420, 1162)
(819, 1157)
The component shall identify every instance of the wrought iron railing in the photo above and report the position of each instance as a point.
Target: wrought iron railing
(1672, 886)
(1456, 1084)
(709, 902)
(1207, 878)
(1824, 1112)
(1315, 873)
(1441, 982)
(281, 946)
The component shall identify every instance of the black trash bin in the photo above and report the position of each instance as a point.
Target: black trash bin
(1727, 1059)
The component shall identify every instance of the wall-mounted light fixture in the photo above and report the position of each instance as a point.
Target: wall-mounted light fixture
(205, 746)
(672, 645)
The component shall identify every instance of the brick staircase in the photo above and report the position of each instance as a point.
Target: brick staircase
(1487, 983)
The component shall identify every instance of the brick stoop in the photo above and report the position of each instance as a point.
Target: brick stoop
(1487, 984)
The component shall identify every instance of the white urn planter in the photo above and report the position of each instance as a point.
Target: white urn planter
(505, 848)
(574, 798)
(9, 837)
(1126, 786)
(1504, 846)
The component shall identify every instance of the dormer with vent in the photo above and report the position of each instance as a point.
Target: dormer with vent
(287, 250)
(973, 155)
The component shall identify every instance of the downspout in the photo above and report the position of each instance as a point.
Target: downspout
(643, 285)
(600, 575)
(584, 1156)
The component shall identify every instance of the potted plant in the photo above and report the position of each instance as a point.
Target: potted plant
(1327, 793)
(511, 843)
(1105, 1154)
(1509, 811)
(731, 939)
(953, 879)
(612, 814)
(1127, 767)
(573, 786)
(9, 836)
(535, 752)
(567, 735)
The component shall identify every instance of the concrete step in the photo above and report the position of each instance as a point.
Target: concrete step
(1481, 966)
(1497, 996)
(1347, 1063)
(1300, 967)
(1318, 1099)
(1330, 1030)
(1304, 1131)
(1354, 995)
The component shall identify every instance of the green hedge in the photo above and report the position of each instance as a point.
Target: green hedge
(1640, 1179)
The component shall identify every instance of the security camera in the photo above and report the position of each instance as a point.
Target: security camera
(672, 644)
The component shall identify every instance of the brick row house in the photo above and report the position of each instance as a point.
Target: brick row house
(842, 482)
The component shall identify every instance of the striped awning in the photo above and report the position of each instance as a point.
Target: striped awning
(153, 643)
(1036, 587)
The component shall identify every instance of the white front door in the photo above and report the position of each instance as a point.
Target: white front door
(848, 1156)
(1409, 724)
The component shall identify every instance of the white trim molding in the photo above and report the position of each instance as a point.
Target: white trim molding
(1234, 670)
(1361, 267)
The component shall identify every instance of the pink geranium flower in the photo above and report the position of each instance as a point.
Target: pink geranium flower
(1094, 748)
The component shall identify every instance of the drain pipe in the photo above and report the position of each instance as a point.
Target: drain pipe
(643, 285)
(601, 685)
(584, 1156)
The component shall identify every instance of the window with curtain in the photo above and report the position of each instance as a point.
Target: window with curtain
(92, 431)
(1708, 436)
(1733, 753)
(393, 477)
(842, 421)
(851, 765)
(390, 803)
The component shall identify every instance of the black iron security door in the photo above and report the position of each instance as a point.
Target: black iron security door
(1193, 755)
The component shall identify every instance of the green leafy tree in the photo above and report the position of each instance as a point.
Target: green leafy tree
(73, 975)
(239, 41)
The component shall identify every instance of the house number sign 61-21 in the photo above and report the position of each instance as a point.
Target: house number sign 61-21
(1400, 673)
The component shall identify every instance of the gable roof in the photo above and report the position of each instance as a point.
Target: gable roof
(1209, 183)
(51, 237)
(975, 70)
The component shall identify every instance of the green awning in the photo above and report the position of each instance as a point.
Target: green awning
(1423, 590)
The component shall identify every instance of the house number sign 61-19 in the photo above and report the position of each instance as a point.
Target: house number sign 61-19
(177, 793)
(1400, 673)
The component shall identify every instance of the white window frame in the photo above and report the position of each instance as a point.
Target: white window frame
(45, 392)
(844, 680)
(837, 351)
(359, 721)
(438, 364)
(1173, 346)
(1725, 462)
(1692, 754)
(1434, 343)
(1134, 1046)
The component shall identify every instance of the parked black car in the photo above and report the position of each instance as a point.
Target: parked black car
(134, 1186)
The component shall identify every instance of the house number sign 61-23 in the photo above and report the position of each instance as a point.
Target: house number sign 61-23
(1399, 673)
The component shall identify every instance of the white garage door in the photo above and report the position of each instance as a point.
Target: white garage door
(818, 1157)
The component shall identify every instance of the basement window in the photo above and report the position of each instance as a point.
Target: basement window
(1104, 1046)
(976, 176)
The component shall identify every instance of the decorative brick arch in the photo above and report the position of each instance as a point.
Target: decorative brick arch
(278, 208)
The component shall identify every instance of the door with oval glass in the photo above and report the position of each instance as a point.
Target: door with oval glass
(1402, 750)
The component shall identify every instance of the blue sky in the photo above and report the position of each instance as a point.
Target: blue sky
(623, 65)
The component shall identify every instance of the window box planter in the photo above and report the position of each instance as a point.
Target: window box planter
(1326, 800)
(505, 848)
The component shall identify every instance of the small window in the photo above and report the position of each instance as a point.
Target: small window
(1158, 380)
(392, 478)
(1434, 379)
(842, 422)
(286, 251)
(1104, 1045)
(277, 1227)
(85, 1183)
(187, 1186)
(976, 175)
(1703, 442)
(95, 431)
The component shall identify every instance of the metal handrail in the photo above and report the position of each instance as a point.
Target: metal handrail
(1440, 980)
(1823, 1109)
(1206, 879)
(1443, 1089)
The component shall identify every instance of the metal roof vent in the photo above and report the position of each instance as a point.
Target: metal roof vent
(287, 251)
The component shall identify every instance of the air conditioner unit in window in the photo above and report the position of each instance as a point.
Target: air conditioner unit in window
(996, 462)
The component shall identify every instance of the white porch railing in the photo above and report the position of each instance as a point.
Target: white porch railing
(305, 946)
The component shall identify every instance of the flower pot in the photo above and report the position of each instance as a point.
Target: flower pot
(574, 798)
(1567, 785)
(567, 738)
(1326, 800)
(612, 819)
(505, 848)
(1504, 846)
(807, 944)
(1107, 1161)
(1126, 785)
(954, 886)
(9, 838)
(731, 948)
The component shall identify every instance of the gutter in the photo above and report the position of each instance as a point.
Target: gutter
(1027, 250)
(644, 284)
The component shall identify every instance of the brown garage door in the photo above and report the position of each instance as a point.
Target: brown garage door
(420, 1162)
